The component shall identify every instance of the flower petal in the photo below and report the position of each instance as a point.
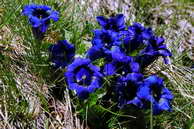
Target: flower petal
(109, 69)
(94, 53)
(101, 20)
(135, 67)
(62, 53)
(83, 77)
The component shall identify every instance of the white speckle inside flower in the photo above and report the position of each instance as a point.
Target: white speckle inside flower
(84, 77)
(123, 72)
(106, 44)
(78, 80)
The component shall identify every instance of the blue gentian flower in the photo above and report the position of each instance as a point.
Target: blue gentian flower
(62, 53)
(118, 67)
(154, 49)
(135, 37)
(115, 23)
(128, 77)
(39, 17)
(102, 43)
(153, 90)
(126, 90)
(83, 77)
(120, 63)
(118, 55)
(95, 53)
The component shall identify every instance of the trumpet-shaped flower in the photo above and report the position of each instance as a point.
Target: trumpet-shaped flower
(62, 53)
(115, 23)
(126, 90)
(120, 64)
(102, 43)
(154, 49)
(83, 77)
(152, 90)
(39, 17)
(136, 36)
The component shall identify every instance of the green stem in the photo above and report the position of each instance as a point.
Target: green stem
(116, 113)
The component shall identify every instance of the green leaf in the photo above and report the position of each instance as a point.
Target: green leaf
(94, 97)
